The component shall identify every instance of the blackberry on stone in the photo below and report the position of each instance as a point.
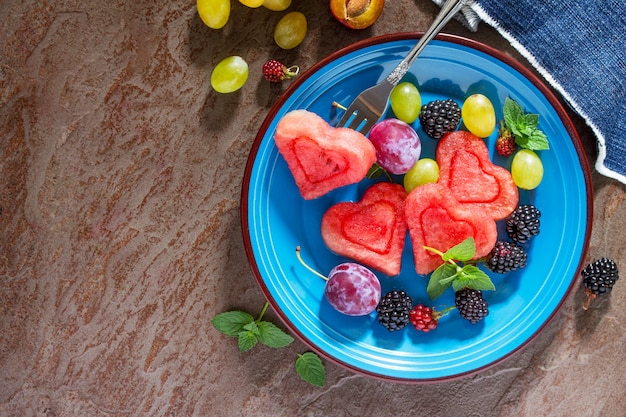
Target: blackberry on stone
(523, 223)
(471, 305)
(440, 117)
(506, 257)
(394, 310)
(599, 277)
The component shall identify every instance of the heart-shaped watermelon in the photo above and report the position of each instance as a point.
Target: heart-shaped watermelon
(321, 157)
(436, 219)
(371, 231)
(465, 168)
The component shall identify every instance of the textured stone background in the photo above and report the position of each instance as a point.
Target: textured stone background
(120, 176)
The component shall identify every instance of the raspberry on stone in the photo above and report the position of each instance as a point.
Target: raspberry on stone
(523, 223)
(599, 277)
(275, 72)
(471, 305)
(394, 309)
(440, 117)
(506, 257)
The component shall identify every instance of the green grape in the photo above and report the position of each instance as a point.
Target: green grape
(526, 169)
(229, 75)
(406, 102)
(277, 5)
(290, 30)
(214, 13)
(424, 171)
(478, 115)
(251, 3)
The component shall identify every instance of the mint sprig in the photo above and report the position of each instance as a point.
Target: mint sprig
(453, 273)
(250, 331)
(523, 127)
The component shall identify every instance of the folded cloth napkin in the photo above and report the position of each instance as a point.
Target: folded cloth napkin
(579, 47)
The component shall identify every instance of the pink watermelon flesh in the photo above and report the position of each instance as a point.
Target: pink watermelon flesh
(466, 169)
(320, 157)
(436, 219)
(371, 231)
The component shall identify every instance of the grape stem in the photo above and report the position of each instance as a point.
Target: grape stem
(307, 266)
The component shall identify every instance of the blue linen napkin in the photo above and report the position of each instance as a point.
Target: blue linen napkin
(579, 47)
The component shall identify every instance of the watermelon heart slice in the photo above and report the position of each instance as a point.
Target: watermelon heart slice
(321, 157)
(466, 169)
(436, 219)
(371, 231)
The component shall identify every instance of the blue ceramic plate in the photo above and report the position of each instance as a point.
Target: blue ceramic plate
(276, 219)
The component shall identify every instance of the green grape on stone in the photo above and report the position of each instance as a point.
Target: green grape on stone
(406, 102)
(277, 5)
(290, 30)
(229, 75)
(251, 3)
(214, 13)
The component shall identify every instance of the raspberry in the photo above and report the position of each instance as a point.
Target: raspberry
(275, 72)
(471, 304)
(423, 318)
(440, 117)
(599, 277)
(506, 257)
(505, 144)
(523, 223)
(393, 310)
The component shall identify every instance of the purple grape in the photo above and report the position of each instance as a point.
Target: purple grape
(352, 289)
(397, 145)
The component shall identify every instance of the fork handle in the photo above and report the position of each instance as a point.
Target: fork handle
(448, 10)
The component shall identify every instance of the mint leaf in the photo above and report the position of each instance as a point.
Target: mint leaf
(464, 251)
(435, 286)
(231, 322)
(311, 369)
(246, 340)
(252, 327)
(272, 336)
(513, 113)
(532, 120)
(472, 277)
(375, 171)
(523, 127)
(537, 141)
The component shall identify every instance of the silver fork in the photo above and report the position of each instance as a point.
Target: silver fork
(368, 107)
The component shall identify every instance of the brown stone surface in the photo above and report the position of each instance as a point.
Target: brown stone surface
(120, 178)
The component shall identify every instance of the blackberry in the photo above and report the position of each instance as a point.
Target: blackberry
(506, 257)
(523, 223)
(394, 309)
(471, 305)
(600, 276)
(440, 117)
